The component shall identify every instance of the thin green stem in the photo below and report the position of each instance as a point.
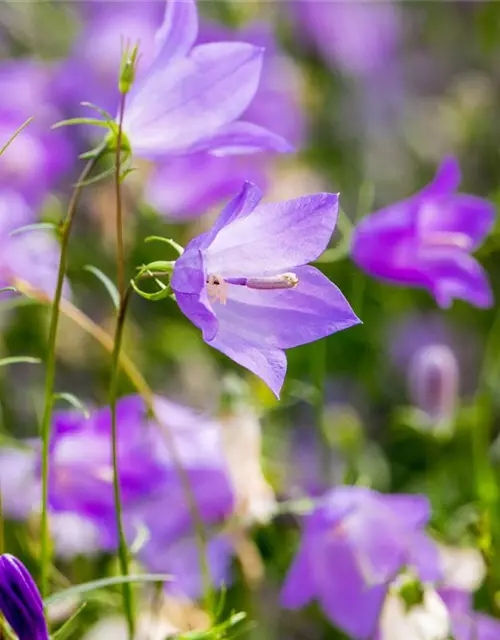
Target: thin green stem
(122, 542)
(45, 560)
(120, 252)
(123, 552)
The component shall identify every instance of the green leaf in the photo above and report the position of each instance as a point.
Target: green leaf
(62, 632)
(101, 176)
(71, 121)
(103, 583)
(169, 241)
(15, 134)
(18, 360)
(107, 282)
(37, 226)
(73, 401)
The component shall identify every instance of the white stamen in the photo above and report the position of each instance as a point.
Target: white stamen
(282, 281)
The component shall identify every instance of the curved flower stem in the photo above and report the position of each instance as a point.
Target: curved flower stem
(51, 368)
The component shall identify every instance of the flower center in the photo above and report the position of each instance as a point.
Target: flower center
(217, 288)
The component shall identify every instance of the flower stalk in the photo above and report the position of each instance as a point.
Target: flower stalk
(66, 229)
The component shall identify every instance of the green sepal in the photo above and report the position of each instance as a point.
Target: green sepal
(169, 241)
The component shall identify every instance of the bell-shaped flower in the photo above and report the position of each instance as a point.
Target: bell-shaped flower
(353, 546)
(426, 241)
(20, 601)
(191, 97)
(246, 283)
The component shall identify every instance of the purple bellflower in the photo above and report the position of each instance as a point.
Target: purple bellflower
(426, 241)
(246, 283)
(354, 544)
(187, 186)
(20, 600)
(190, 98)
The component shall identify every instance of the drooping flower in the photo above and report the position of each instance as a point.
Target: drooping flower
(353, 546)
(20, 600)
(191, 97)
(188, 186)
(426, 241)
(246, 283)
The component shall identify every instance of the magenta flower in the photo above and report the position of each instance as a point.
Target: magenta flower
(20, 600)
(426, 241)
(354, 544)
(247, 286)
(190, 98)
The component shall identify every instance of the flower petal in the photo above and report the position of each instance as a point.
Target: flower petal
(463, 214)
(414, 509)
(277, 237)
(343, 594)
(177, 34)
(456, 274)
(446, 180)
(266, 362)
(298, 588)
(242, 137)
(286, 318)
(177, 106)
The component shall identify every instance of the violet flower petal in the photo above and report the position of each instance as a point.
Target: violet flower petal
(178, 33)
(286, 318)
(176, 107)
(247, 246)
(240, 137)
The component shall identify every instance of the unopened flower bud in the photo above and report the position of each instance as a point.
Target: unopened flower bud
(127, 69)
(434, 380)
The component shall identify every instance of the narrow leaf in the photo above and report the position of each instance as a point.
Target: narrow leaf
(62, 632)
(73, 401)
(3, 289)
(105, 114)
(107, 282)
(169, 241)
(98, 178)
(103, 583)
(15, 134)
(18, 360)
(37, 226)
(92, 121)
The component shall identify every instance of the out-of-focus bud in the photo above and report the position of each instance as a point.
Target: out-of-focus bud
(433, 384)
(414, 611)
(127, 69)
(241, 433)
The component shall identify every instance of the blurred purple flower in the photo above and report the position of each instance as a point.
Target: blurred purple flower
(426, 241)
(81, 471)
(37, 159)
(244, 263)
(31, 256)
(354, 544)
(19, 489)
(467, 624)
(153, 495)
(20, 600)
(190, 98)
(188, 186)
(359, 37)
